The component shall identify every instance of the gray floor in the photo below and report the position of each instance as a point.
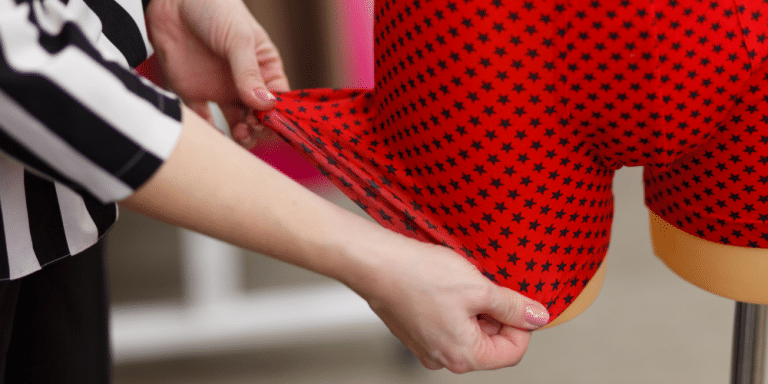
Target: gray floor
(648, 326)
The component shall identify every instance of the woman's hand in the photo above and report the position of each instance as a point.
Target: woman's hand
(444, 310)
(214, 50)
(434, 300)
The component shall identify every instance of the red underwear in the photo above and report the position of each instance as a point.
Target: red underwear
(496, 126)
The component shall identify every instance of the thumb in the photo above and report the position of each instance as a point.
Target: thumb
(249, 81)
(513, 309)
(505, 346)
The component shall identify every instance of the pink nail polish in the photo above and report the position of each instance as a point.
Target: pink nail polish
(264, 95)
(536, 316)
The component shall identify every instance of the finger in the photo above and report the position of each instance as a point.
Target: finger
(237, 117)
(430, 364)
(260, 133)
(203, 110)
(512, 308)
(234, 113)
(243, 135)
(502, 350)
(253, 121)
(273, 72)
(248, 78)
(489, 325)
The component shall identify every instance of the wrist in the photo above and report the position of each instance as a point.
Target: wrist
(371, 254)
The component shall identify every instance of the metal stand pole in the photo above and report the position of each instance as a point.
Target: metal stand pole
(749, 336)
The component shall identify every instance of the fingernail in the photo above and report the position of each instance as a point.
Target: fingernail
(536, 316)
(264, 95)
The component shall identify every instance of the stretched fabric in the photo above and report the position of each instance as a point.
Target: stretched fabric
(495, 128)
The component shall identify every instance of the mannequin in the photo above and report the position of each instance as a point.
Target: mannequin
(583, 300)
(737, 273)
(512, 166)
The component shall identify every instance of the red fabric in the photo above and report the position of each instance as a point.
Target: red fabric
(496, 126)
(150, 69)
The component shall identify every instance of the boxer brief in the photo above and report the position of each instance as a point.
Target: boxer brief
(496, 126)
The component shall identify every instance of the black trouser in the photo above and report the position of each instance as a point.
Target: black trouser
(54, 323)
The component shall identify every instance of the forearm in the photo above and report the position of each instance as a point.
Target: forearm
(212, 186)
(429, 296)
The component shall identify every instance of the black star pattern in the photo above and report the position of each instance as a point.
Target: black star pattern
(496, 126)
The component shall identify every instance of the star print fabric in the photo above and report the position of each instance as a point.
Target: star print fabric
(495, 128)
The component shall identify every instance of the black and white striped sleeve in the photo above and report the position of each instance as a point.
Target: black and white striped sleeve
(71, 108)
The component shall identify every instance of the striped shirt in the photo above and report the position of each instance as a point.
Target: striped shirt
(79, 129)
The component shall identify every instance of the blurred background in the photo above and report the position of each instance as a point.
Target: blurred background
(187, 309)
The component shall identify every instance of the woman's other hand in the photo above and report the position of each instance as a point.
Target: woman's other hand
(215, 50)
